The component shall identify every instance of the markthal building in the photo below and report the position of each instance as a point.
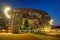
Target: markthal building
(27, 19)
(31, 18)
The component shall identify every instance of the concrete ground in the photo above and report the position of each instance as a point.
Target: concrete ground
(27, 36)
(9, 36)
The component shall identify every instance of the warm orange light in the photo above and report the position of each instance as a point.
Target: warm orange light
(6, 10)
(47, 29)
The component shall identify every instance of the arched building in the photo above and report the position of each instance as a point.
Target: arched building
(36, 18)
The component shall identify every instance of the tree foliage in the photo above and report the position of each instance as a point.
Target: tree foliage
(25, 24)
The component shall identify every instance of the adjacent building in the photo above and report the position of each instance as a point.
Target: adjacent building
(2, 22)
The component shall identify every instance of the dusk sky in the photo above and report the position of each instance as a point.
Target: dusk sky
(50, 6)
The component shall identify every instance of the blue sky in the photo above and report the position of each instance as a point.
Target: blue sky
(50, 6)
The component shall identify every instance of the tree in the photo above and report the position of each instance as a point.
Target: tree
(25, 24)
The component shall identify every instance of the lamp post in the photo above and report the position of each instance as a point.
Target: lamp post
(6, 13)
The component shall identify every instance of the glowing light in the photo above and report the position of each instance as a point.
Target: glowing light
(51, 21)
(6, 10)
(47, 29)
(3, 30)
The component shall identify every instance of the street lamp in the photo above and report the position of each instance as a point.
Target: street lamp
(51, 21)
(6, 10)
